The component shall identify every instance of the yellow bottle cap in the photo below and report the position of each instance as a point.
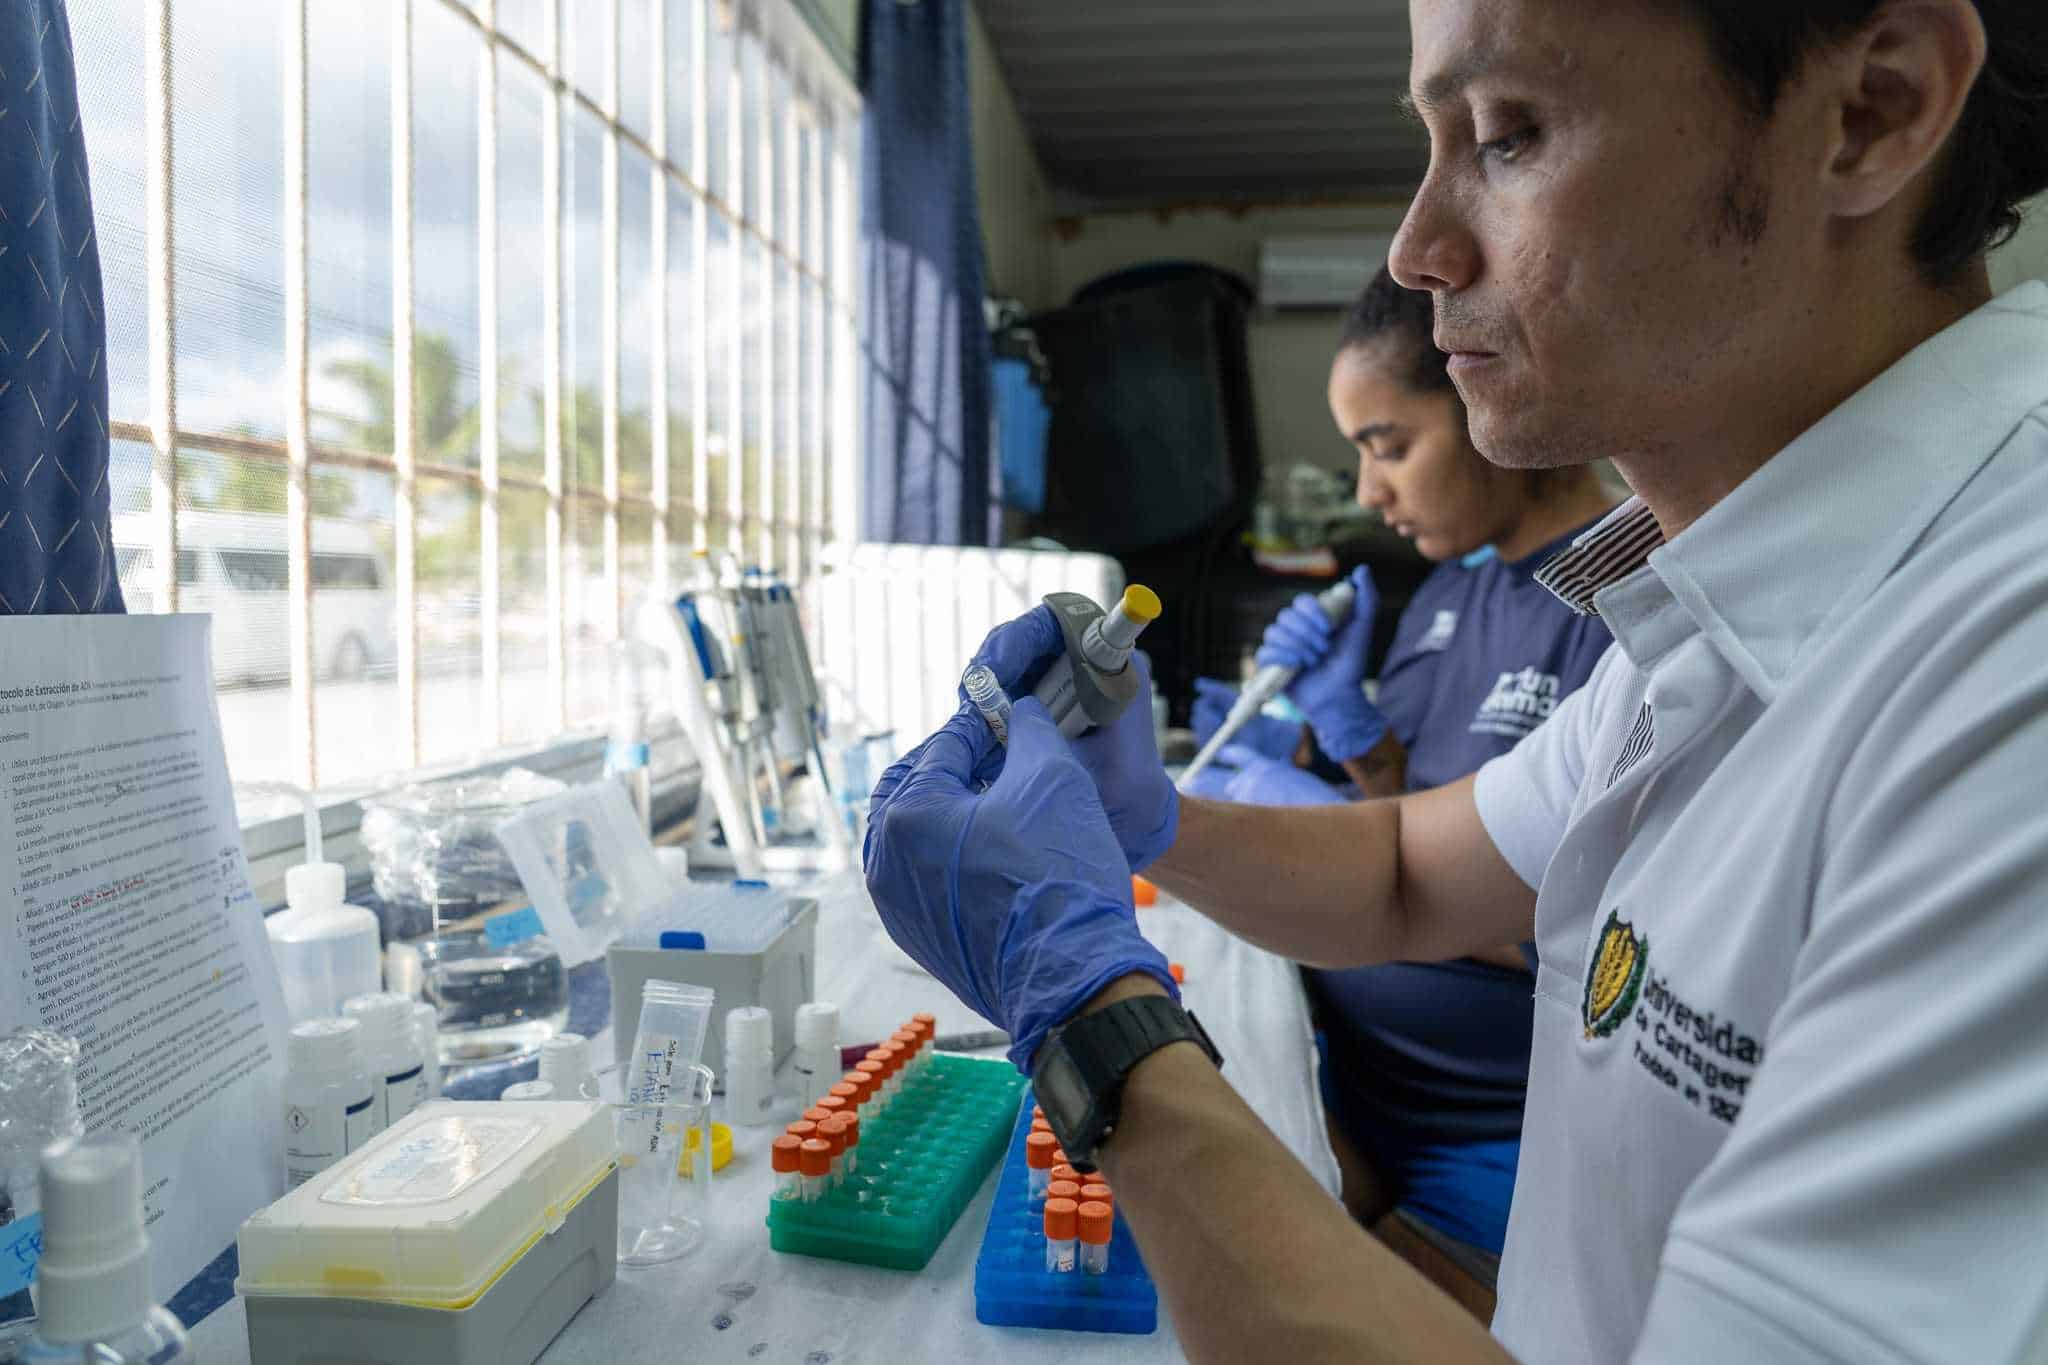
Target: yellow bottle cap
(1141, 604)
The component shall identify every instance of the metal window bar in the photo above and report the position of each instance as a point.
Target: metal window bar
(608, 311)
(657, 289)
(162, 303)
(298, 410)
(404, 420)
(715, 320)
(491, 586)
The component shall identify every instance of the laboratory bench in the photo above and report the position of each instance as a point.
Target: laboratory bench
(735, 1299)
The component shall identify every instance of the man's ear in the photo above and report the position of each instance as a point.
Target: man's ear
(1898, 88)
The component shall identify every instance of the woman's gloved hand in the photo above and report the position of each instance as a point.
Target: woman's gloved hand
(1123, 758)
(1018, 897)
(1331, 659)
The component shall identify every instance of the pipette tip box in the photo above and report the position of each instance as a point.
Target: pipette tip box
(1012, 1287)
(468, 1233)
(921, 1164)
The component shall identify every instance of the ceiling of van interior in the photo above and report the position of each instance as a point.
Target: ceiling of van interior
(1154, 102)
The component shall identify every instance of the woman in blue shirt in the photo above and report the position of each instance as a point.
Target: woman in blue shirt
(1427, 1063)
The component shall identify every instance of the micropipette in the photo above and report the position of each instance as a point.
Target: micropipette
(1268, 683)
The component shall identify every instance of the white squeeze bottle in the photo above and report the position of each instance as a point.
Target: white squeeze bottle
(391, 1052)
(93, 1298)
(326, 951)
(329, 1102)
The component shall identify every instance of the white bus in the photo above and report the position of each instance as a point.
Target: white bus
(232, 565)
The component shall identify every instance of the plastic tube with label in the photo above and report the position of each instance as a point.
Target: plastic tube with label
(674, 1019)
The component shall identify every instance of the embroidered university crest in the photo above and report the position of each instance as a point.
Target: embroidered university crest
(1614, 977)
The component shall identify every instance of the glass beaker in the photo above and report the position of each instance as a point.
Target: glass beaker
(664, 1163)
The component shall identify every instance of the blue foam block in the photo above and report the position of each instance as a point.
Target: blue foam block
(1012, 1287)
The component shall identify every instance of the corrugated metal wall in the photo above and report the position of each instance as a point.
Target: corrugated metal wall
(1136, 102)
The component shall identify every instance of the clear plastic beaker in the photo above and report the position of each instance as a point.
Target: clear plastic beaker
(664, 1163)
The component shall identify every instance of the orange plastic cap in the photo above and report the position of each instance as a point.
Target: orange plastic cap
(1040, 1126)
(844, 1090)
(894, 1055)
(1059, 1155)
(1068, 1173)
(1178, 973)
(834, 1105)
(1037, 1112)
(816, 1114)
(1038, 1151)
(816, 1157)
(863, 1086)
(1062, 1219)
(1096, 1220)
(874, 1071)
(786, 1153)
(1063, 1189)
(802, 1129)
(926, 1020)
(834, 1132)
(852, 1122)
(1097, 1192)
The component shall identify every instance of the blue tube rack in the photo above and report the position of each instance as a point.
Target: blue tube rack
(1012, 1287)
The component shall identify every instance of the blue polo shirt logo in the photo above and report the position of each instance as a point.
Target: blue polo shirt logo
(1519, 702)
(1441, 631)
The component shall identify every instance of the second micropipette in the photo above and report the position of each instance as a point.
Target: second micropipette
(1268, 683)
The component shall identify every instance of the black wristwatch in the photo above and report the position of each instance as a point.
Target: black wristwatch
(1079, 1075)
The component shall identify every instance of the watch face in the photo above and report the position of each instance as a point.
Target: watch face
(1061, 1092)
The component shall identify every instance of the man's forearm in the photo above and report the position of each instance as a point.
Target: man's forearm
(1313, 883)
(1254, 1260)
(1381, 770)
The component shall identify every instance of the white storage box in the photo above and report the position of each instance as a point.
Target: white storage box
(778, 978)
(468, 1232)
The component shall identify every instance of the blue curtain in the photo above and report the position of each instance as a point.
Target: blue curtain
(929, 478)
(56, 555)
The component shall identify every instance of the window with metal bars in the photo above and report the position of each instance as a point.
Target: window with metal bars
(441, 333)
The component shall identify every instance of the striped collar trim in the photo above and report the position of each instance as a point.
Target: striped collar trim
(1605, 555)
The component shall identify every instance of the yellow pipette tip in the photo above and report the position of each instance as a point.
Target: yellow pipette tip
(1141, 604)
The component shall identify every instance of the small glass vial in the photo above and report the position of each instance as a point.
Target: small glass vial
(833, 1130)
(786, 1158)
(814, 1162)
(885, 1074)
(852, 1122)
(912, 1043)
(877, 1096)
(1038, 1164)
(1062, 1225)
(1095, 1224)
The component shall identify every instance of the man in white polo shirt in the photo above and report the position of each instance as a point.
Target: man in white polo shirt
(1785, 857)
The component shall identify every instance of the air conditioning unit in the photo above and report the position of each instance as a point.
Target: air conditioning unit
(1323, 271)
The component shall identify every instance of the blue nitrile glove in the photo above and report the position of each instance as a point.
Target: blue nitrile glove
(1275, 782)
(1016, 897)
(1123, 758)
(1332, 664)
(1266, 734)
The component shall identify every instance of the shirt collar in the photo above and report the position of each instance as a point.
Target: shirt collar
(1808, 537)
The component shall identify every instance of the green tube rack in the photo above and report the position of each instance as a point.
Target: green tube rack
(920, 1165)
